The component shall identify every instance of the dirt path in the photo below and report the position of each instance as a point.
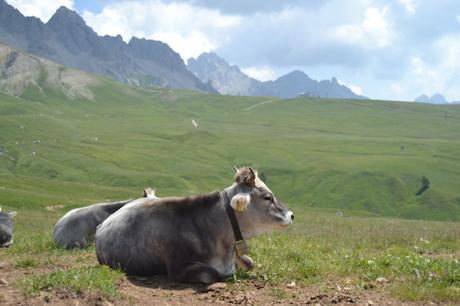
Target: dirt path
(159, 291)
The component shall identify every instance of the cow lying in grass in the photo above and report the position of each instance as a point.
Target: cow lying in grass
(6, 228)
(76, 228)
(192, 239)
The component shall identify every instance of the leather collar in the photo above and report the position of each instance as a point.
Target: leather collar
(241, 247)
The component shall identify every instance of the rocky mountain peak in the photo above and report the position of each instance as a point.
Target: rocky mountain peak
(157, 51)
(68, 40)
(65, 17)
(211, 58)
(296, 76)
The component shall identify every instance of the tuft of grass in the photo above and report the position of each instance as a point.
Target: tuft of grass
(100, 279)
(26, 263)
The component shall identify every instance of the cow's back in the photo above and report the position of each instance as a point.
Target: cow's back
(76, 229)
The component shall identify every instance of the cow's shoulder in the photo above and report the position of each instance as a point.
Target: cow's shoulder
(184, 203)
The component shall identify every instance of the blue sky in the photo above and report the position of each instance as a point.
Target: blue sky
(94, 6)
(394, 49)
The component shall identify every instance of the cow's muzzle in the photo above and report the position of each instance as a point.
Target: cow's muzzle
(288, 218)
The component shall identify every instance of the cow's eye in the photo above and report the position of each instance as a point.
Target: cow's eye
(267, 198)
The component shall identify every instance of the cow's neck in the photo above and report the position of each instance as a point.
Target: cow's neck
(245, 223)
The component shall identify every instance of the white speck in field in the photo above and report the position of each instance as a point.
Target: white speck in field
(195, 124)
(34, 153)
(417, 273)
(291, 285)
(424, 240)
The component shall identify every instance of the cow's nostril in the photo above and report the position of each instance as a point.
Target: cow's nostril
(292, 217)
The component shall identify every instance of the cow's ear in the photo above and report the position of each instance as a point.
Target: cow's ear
(12, 214)
(149, 192)
(240, 202)
(246, 176)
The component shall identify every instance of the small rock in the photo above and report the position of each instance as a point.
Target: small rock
(370, 303)
(216, 287)
(381, 280)
(3, 282)
(47, 299)
(291, 285)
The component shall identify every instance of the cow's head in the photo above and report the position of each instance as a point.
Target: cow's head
(6, 228)
(255, 205)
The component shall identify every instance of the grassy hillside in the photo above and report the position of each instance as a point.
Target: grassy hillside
(364, 157)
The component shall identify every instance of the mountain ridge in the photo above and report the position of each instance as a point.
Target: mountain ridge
(229, 79)
(66, 39)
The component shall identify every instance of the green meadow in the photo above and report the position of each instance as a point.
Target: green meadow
(364, 159)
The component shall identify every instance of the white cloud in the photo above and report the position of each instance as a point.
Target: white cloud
(354, 88)
(440, 73)
(374, 29)
(260, 73)
(187, 45)
(409, 5)
(396, 89)
(187, 29)
(42, 9)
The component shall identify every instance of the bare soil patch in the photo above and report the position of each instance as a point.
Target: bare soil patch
(160, 291)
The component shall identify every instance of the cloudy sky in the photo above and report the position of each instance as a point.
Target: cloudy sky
(393, 49)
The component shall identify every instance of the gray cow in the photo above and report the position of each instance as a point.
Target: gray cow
(190, 239)
(76, 228)
(6, 228)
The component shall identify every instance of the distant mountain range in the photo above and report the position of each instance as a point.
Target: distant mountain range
(230, 80)
(67, 40)
(436, 98)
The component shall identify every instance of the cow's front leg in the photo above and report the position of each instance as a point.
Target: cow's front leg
(194, 273)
